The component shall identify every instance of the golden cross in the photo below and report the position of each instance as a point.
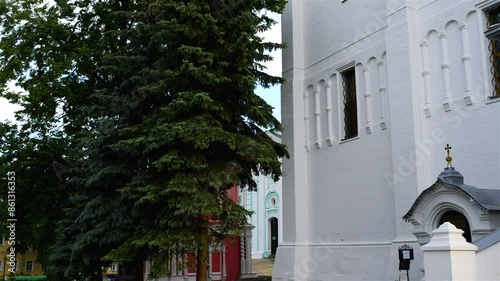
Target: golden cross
(448, 158)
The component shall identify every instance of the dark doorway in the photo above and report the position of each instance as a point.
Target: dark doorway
(460, 221)
(274, 235)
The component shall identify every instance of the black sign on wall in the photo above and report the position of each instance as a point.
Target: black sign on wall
(405, 256)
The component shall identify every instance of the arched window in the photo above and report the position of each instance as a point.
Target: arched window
(272, 200)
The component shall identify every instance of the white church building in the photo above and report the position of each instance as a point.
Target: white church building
(375, 91)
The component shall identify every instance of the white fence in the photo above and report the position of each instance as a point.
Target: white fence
(449, 257)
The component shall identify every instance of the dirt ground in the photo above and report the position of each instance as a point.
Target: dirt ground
(263, 267)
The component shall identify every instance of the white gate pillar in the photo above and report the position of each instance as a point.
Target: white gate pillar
(448, 256)
(246, 254)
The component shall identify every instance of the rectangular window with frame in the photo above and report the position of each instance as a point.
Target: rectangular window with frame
(350, 104)
(494, 47)
(42, 267)
(29, 266)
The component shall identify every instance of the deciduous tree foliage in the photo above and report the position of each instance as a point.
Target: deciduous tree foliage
(54, 51)
(37, 192)
(149, 108)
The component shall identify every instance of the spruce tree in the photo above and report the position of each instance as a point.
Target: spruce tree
(185, 111)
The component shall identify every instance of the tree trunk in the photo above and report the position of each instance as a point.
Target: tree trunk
(202, 256)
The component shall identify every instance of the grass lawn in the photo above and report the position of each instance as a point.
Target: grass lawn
(263, 267)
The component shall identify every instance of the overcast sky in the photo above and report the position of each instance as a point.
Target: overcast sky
(272, 95)
(6, 109)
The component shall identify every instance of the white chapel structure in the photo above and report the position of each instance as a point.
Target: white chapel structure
(375, 92)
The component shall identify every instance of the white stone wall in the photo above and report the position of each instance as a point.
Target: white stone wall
(449, 257)
(488, 263)
(423, 80)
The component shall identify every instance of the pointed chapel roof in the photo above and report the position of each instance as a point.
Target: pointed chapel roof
(488, 199)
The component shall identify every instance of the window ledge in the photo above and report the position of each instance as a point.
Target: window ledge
(349, 140)
(493, 99)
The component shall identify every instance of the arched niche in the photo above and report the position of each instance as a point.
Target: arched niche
(459, 220)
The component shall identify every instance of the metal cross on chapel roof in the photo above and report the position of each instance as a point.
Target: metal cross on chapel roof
(448, 158)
